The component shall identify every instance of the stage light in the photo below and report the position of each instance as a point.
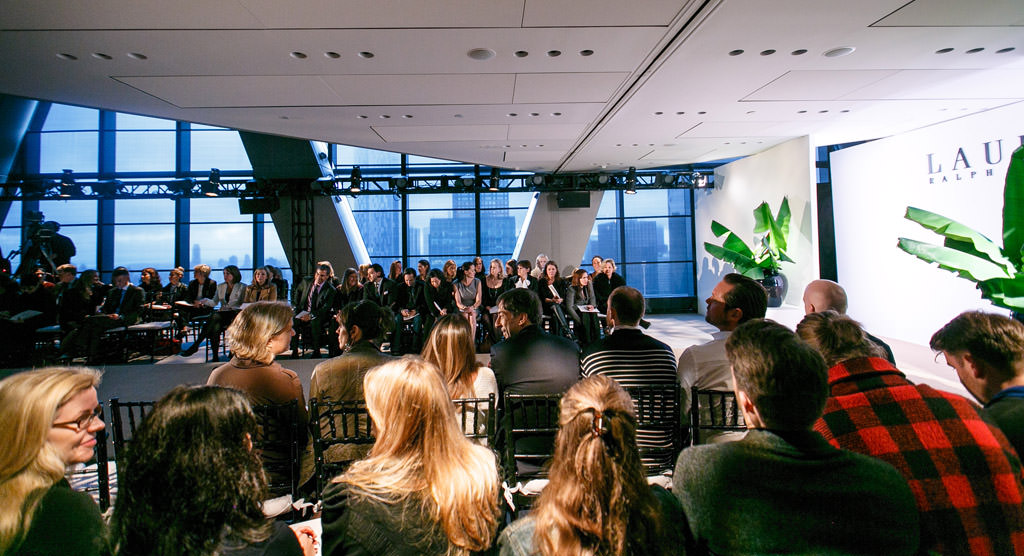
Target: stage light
(356, 179)
(212, 186)
(105, 188)
(494, 180)
(631, 181)
(537, 179)
(68, 187)
(700, 181)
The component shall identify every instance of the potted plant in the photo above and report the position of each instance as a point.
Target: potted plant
(996, 270)
(764, 264)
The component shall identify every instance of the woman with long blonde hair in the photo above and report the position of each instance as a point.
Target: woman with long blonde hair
(424, 488)
(598, 500)
(450, 349)
(48, 422)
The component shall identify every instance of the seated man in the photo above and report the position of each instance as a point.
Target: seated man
(987, 351)
(408, 304)
(826, 295)
(783, 488)
(314, 305)
(121, 307)
(965, 475)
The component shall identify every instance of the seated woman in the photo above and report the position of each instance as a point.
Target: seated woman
(598, 500)
(350, 290)
(200, 292)
(495, 285)
(76, 303)
(450, 269)
(510, 268)
(278, 280)
(261, 288)
(191, 484)
(424, 489)
(228, 301)
(439, 298)
(450, 349)
(395, 271)
(551, 288)
(48, 423)
(580, 293)
(149, 281)
(258, 334)
(468, 294)
(174, 290)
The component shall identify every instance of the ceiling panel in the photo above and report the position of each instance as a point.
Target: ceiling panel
(443, 133)
(544, 131)
(956, 13)
(601, 13)
(423, 89)
(237, 90)
(356, 14)
(566, 87)
(946, 84)
(817, 84)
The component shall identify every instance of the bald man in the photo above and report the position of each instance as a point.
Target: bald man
(826, 295)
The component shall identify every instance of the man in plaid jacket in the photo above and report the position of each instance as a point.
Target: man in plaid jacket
(963, 472)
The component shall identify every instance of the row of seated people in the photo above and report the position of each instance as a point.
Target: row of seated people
(792, 485)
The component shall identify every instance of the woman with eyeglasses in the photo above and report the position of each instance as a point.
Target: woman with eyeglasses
(48, 423)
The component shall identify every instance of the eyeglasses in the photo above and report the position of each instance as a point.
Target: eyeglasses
(83, 422)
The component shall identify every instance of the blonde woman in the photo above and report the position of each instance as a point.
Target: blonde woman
(48, 423)
(424, 489)
(450, 269)
(450, 349)
(261, 289)
(259, 333)
(598, 500)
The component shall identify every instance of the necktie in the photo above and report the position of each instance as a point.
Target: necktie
(312, 291)
(120, 302)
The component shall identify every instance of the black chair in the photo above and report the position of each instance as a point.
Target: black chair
(659, 425)
(125, 418)
(714, 410)
(278, 443)
(477, 418)
(345, 424)
(529, 425)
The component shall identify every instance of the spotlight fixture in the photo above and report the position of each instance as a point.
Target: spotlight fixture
(668, 178)
(700, 181)
(631, 181)
(211, 187)
(537, 179)
(604, 179)
(357, 178)
(181, 186)
(466, 181)
(400, 183)
(494, 181)
(68, 187)
(105, 188)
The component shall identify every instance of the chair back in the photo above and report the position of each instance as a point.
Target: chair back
(345, 424)
(477, 418)
(126, 418)
(659, 425)
(530, 422)
(714, 410)
(277, 442)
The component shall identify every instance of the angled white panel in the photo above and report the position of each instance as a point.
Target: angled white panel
(956, 13)
(566, 87)
(423, 89)
(817, 84)
(601, 13)
(248, 90)
(540, 131)
(946, 84)
(443, 133)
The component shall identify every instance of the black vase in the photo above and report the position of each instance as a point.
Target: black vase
(777, 285)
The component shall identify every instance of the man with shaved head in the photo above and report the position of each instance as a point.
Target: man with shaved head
(825, 295)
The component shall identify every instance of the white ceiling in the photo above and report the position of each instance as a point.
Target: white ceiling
(640, 83)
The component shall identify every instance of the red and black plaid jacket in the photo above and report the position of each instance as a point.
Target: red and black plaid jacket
(964, 473)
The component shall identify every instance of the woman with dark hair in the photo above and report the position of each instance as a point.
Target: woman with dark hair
(76, 303)
(149, 281)
(228, 300)
(278, 280)
(580, 293)
(551, 288)
(438, 296)
(350, 290)
(258, 334)
(261, 288)
(395, 271)
(48, 423)
(597, 500)
(424, 489)
(468, 294)
(191, 484)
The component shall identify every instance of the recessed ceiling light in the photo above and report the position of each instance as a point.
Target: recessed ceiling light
(66, 56)
(586, 52)
(333, 55)
(362, 116)
(975, 50)
(823, 111)
(801, 111)
(702, 112)
(299, 55)
(1005, 50)
(750, 111)
(839, 52)
(556, 114)
(658, 113)
(511, 114)
(101, 56)
(137, 56)
(385, 116)
(481, 54)
(366, 55)
(535, 114)
(736, 52)
(680, 113)
(554, 53)
(946, 50)
(283, 117)
(844, 111)
(457, 116)
(799, 52)
(522, 54)
(768, 52)
(407, 116)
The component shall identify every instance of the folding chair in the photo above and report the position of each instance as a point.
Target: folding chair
(277, 442)
(344, 424)
(658, 422)
(125, 420)
(529, 423)
(714, 410)
(477, 418)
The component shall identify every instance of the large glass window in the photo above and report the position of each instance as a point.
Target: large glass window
(379, 219)
(345, 155)
(69, 140)
(215, 147)
(77, 221)
(144, 144)
(441, 227)
(144, 234)
(220, 235)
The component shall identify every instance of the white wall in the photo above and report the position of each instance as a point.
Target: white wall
(784, 170)
(943, 169)
(561, 234)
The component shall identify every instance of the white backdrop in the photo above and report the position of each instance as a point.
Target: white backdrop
(956, 169)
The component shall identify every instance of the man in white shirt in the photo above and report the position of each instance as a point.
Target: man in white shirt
(735, 300)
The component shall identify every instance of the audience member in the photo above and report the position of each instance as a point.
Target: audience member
(149, 281)
(121, 308)
(581, 304)
(423, 266)
(48, 422)
(278, 280)
(450, 269)
(200, 290)
(408, 304)
(66, 274)
(478, 265)
(523, 279)
(495, 284)
(439, 298)
(227, 301)
(424, 489)
(529, 360)
(510, 268)
(965, 475)
(734, 301)
(597, 500)
(825, 295)
(597, 263)
(363, 270)
(261, 288)
(314, 305)
(350, 290)
(987, 352)
(191, 484)
(605, 282)
(551, 288)
(395, 271)
(262, 331)
(450, 349)
(76, 303)
(539, 265)
(782, 488)
(468, 294)
(377, 288)
(174, 290)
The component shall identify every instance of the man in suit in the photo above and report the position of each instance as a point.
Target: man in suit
(313, 308)
(121, 307)
(529, 360)
(378, 287)
(408, 304)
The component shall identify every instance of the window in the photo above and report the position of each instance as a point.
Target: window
(144, 144)
(219, 234)
(69, 140)
(345, 155)
(214, 147)
(144, 234)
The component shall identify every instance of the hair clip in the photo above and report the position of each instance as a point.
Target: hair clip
(598, 423)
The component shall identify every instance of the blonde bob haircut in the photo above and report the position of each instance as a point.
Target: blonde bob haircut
(450, 348)
(251, 331)
(29, 465)
(203, 269)
(422, 453)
